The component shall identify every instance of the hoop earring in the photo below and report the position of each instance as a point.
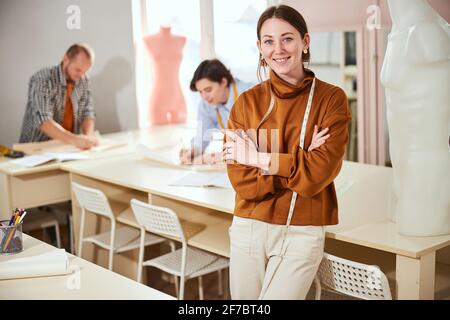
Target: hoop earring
(305, 51)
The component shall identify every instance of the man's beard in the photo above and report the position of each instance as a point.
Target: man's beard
(66, 74)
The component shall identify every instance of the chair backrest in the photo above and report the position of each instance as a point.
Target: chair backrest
(92, 200)
(354, 279)
(158, 219)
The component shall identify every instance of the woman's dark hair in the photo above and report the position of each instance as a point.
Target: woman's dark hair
(213, 70)
(291, 16)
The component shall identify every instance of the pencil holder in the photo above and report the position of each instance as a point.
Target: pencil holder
(10, 238)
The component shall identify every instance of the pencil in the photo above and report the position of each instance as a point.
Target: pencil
(10, 236)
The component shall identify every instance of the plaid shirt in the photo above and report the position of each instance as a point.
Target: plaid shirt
(46, 97)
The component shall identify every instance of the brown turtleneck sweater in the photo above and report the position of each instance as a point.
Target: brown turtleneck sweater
(267, 197)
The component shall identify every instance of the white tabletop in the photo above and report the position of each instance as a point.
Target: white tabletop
(95, 282)
(364, 209)
(127, 141)
(136, 172)
(383, 235)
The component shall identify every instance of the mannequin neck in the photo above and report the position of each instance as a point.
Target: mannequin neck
(405, 13)
(164, 29)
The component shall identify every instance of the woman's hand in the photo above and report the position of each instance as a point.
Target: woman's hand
(212, 158)
(318, 138)
(241, 149)
(186, 156)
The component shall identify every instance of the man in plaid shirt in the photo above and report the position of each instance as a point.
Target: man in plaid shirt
(59, 102)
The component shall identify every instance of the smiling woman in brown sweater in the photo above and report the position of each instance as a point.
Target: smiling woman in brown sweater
(281, 167)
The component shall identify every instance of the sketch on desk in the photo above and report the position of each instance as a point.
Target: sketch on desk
(38, 159)
(56, 146)
(166, 154)
(170, 155)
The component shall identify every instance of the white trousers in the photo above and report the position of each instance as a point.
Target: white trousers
(258, 271)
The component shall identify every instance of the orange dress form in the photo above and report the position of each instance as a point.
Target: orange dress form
(166, 103)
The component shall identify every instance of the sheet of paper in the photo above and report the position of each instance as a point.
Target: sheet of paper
(32, 161)
(166, 155)
(170, 155)
(61, 156)
(203, 179)
(221, 180)
(38, 159)
(105, 145)
(57, 146)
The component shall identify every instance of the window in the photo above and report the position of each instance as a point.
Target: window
(235, 35)
(326, 56)
(234, 23)
(183, 17)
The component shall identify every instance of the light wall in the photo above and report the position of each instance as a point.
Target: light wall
(34, 34)
(330, 15)
(345, 15)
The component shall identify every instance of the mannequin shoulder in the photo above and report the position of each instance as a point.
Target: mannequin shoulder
(158, 43)
(428, 42)
(176, 41)
(181, 39)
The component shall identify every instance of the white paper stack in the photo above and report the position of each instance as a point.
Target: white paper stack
(51, 263)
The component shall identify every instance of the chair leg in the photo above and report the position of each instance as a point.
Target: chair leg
(220, 282)
(112, 244)
(45, 235)
(318, 288)
(111, 255)
(80, 238)
(58, 236)
(181, 295)
(141, 256)
(175, 278)
(175, 281)
(71, 235)
(177, 290)
(200, 288)
(227, 293)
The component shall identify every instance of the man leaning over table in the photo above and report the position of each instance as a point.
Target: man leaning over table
(59, 102)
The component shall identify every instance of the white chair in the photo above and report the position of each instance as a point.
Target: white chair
(187, 262)
(42, 220)
(354, 279)
(118, 239)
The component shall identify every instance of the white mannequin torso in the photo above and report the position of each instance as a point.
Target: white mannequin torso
(416, 75)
